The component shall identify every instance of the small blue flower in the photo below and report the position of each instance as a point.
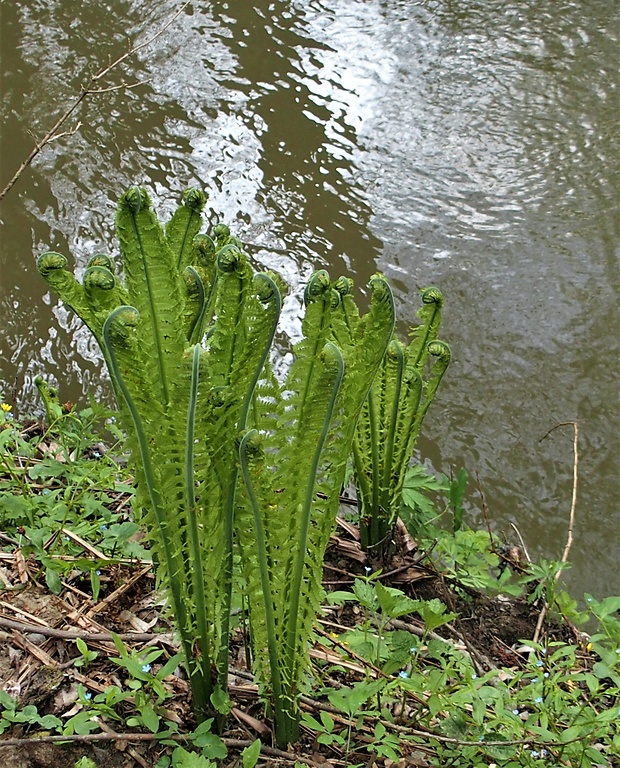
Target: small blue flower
(543, 651)
(413, 649)
(481, 739)
(96, 454)
(146, 668)
(88, 696)
(367, 568)
(546, 674)
(540, 663)
(103, 527)
(45, 492)
(515, 711)
(538, 700)
(98, 573)
(474, 677)
(543, 753)
(403, 674)
(535, 754)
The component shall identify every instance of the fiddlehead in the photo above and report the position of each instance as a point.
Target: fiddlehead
(99, 285)
(427, 330)
(229, 258)
(317, 286)
(345, 314)
(49, 262)
(204, 251)
(102, 260)
(135, 199)
(184, 226)
(51, 267)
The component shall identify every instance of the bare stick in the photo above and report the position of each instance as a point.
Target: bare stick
(85, 91)
(571, 519)
(63, 634)
(523, 547)
(573, 505)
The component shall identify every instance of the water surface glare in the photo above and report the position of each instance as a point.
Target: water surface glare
(473, 146)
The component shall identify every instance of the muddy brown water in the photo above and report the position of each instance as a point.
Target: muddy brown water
(473, 146)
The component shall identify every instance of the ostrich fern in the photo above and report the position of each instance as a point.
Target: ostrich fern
(222, 451)
(182, 402)
(392, 417)
(293, 463)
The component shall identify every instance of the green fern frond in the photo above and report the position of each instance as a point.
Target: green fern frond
(153, 286)
(392, 419)
(293, 482)
(184, 226)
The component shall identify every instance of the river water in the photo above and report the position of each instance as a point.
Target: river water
(470, 145)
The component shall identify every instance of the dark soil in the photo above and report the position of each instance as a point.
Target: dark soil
(39, 669)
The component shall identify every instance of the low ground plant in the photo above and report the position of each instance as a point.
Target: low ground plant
(399, 682)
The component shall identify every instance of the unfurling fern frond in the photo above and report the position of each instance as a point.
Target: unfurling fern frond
(168, 388)
(392, 419)
(187, 339)
(293, 466)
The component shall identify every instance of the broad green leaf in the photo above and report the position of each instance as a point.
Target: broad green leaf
(150, 718)
(366, 594)
(393, 602)
(250, 754)
(52, 579)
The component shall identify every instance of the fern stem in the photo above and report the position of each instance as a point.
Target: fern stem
(202, 703)
(282, 734)
(441, 351)
(422, 352)
(391, 436)
(276, 309)
(172, 565)
(361, 481)
(188, 228)
(192, 335)
(302, 542)
(372, 533)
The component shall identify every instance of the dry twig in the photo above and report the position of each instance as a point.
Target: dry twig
(571, 519)
(85, 91)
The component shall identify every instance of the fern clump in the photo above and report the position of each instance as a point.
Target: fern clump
(183, 399)
(222, 451)
(293, 463)
(392, 417)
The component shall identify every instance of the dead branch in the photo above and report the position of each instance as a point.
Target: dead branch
(85, 91)
(571, 519)
(64, 634)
